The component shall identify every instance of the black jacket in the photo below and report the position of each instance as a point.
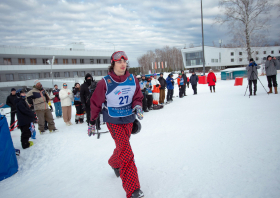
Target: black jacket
(76, 92)
(11, 101)
(85, 91)
(194, 79)
(24, 114)
(162, 82)
(185, 78)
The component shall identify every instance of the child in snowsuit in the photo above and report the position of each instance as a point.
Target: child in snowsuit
(78, 104)
(181, 85)
(25, 117)
(170, 88)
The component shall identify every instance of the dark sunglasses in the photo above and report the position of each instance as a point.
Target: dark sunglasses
(64, 85)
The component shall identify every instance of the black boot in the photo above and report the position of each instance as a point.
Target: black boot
(137, 194)
(117, 171)
(77, 121)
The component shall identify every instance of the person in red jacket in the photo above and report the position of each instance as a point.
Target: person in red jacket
(121, 94)
(211, 80)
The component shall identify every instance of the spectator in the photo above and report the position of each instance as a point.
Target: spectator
(211, 80)
(87, 89)
(40, 101)
(185, 81)
(193, 81)
(144, 91)
(25, 117)
(252, 69)
(181, 85)
(56, 102)
(78, 104)
(170, 88)
(11, 102)
(149, 94)
(66, 97)
(271, 72)
(155, 89)
(162, 89)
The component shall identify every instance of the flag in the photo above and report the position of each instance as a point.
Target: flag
(162, 65)
(155, 65)
(165, 64)
(159, 65)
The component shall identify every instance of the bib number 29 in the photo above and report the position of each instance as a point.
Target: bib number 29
(123, 99)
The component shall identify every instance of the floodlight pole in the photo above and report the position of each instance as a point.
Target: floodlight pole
(203, 59)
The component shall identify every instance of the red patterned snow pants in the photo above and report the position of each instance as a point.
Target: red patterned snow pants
(123, 157)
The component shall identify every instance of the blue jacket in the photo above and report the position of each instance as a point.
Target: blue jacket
(170, 85)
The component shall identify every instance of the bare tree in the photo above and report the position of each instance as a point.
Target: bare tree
(245, 19)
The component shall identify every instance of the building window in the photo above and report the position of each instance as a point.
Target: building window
(272, 52)
(47, 75)
(257, 58)
(264, 52)
(21, 61)
(240, 59)
(45, 61)
(98, 73)
(33, 61)
(98, 61)
(220, 56)
(106, 72)
(232, 60)
(257, 52)
(66, 74)
(216, 60)
(7, 61)
(264, 58)
(212, 60)
(9, 77)
(75, 73)
(93, 73)
(56, 74)
(82, 61)
(105, 61)
(91, 61)
(28, 76)
(240, 53)
(82, 74)
(74, 61)
(55, 62)
(65, 61)
(232, 53)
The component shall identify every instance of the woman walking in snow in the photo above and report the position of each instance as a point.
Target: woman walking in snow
(66, 97)
(120, 92)
(211, 80)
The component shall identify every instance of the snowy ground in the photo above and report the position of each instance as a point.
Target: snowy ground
(211, 145)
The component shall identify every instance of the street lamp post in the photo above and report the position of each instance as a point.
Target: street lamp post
(203, 59)
(113, 44)
(51, 67)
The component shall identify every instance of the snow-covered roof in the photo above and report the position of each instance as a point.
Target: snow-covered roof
(234, 69)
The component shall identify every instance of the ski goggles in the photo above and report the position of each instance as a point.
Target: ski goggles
(117, 56)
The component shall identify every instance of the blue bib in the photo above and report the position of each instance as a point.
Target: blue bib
(119, 96)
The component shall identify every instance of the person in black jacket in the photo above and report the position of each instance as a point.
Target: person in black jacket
(162, 82)
(185, 80)
(11, 102)
(193, 81)
(78, 104)
(87, 88)
(25, 117)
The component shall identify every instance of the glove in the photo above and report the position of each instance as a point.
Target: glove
(157, 85)
(91, 129)
(138, 111)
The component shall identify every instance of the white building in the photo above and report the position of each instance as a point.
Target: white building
(20, 64)
(221, 58)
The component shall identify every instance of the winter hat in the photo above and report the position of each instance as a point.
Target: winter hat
(88, 75)
(155, 74)
(55, 85)
(138, 76)
(180, 74)
(76, 84)
(268, 57)
(143, 75)
(37, 81)
(13, 89)
(251, 59)
(151, 76)
(161, 73)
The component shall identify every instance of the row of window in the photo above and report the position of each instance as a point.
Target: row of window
(33, 61)
(257, 52)
(10, 77)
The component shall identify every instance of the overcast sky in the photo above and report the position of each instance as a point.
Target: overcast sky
(132, 26)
